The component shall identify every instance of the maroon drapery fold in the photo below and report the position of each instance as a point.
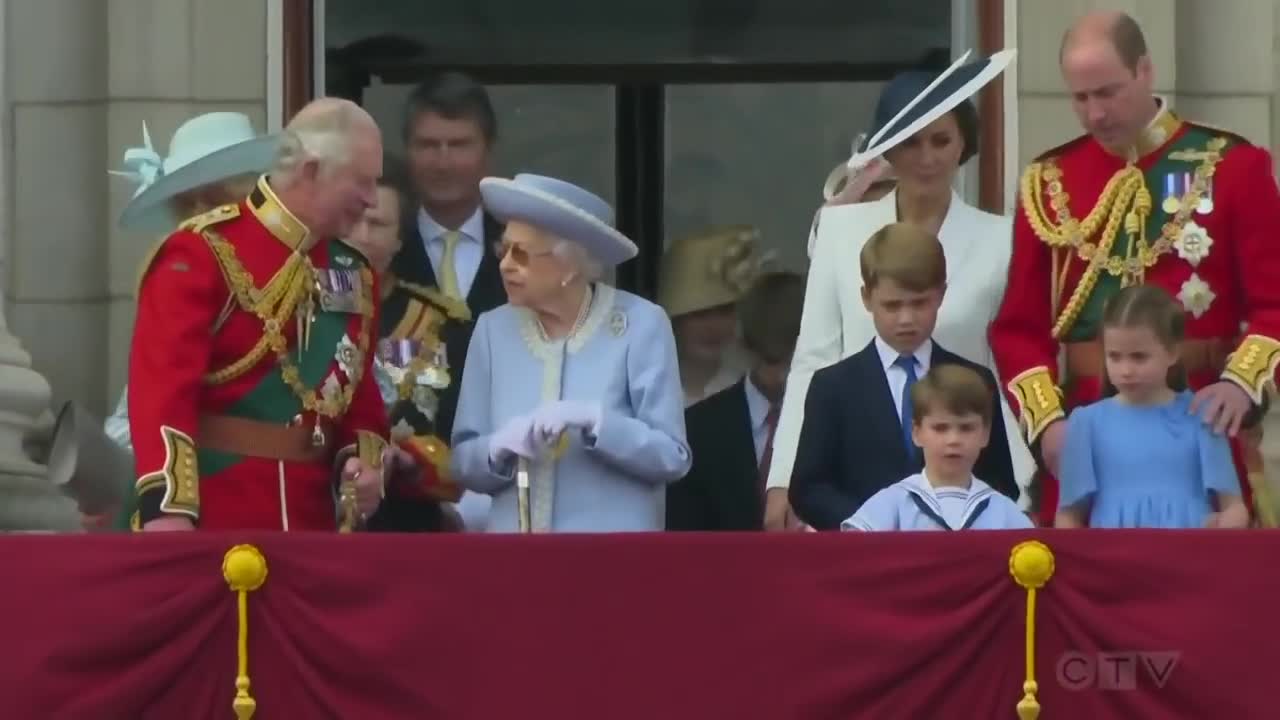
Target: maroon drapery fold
(804, 626)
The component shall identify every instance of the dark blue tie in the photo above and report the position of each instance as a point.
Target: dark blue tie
(908, 364)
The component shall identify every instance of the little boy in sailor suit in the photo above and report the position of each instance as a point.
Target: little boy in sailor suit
(951, 426)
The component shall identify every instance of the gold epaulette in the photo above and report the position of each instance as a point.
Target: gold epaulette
(454, 308)
(1229, 134)
(220, 214)
(1061, 149)
(195, 223)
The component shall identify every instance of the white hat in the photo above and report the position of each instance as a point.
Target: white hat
(562, 209)
(206, 149)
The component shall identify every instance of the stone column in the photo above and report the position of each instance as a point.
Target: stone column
(27, 501)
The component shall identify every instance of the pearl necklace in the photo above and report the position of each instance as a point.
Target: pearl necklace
(581, 320)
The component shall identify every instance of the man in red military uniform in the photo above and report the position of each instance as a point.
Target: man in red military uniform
(1145, 197)
(250, 390)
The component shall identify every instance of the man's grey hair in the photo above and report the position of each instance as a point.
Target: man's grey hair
(321, 132)
(579, 259)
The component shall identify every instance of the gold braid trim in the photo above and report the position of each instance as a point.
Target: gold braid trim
(1039, 400)
(179, 478)
(288, 291)
(1253, 365)
(456, 309)
(1124, 198)
(285, 292)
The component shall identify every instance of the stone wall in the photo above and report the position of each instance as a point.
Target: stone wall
(1216, 61)
(82, 78)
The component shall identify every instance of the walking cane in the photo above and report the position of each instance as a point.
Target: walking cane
(522, 495)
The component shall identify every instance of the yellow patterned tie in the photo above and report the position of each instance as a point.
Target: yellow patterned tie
(447, 271)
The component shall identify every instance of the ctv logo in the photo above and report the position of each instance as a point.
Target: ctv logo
(1115, 670)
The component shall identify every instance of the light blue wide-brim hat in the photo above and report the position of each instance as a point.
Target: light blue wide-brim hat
(206, 149)
(562, 209)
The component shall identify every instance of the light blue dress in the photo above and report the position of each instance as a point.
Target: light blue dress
(621, 358)
(915, 504)
(1144, 467)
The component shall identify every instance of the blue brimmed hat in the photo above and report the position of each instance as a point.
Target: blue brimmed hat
(911, 101)
(562, 209)
(206, 149)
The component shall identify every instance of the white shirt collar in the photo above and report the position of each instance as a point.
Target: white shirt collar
(757, 404)
(471, 229)
(974, 496)
(920, 482)
(889, 356)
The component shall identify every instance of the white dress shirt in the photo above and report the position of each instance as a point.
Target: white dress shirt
(758, 409)
(896, 374)
(467, 256)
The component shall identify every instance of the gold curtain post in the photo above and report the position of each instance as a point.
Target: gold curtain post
(245, 570)
(1031, 564)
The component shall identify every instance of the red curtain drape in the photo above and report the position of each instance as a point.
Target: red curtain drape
(810, 626)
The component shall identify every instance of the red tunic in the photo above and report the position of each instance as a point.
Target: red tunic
(201, 348)
(1217, 257)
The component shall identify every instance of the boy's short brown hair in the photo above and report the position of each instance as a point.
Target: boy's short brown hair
(770, 315)
(951, 388)
(905, 254)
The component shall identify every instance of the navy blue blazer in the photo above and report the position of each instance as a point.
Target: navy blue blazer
(722, 490)
(851, 443)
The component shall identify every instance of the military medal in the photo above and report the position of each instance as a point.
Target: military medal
(340, 290)
(1193, 243)
(1206, 201)
(1172, 196)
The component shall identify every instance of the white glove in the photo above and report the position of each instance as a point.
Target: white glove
(515, 439)
(549, 421)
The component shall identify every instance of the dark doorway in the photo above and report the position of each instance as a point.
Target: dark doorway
(654, 67)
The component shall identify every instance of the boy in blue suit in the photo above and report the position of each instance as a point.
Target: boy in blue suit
(857, 434)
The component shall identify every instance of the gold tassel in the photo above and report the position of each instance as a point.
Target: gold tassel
(245, 570)
(1031, 564)
(348, 508)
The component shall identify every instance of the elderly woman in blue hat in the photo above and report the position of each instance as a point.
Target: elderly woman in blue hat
(925, 130)
(572, 385)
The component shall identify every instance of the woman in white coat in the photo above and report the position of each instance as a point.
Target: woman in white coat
(926, 130)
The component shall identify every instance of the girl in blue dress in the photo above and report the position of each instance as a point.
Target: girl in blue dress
(1140, 458)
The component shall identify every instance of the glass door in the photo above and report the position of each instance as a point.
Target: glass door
(683, 113)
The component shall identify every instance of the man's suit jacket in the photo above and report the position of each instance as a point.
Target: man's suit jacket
(851, 444)
(722, 489)
(413, 265)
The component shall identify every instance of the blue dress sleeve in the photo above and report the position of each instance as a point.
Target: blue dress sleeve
(1078, 477)
(1217, 469)
(649, 444)
(473, 425)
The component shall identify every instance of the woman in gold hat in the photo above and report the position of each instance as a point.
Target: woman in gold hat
(702, 277)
